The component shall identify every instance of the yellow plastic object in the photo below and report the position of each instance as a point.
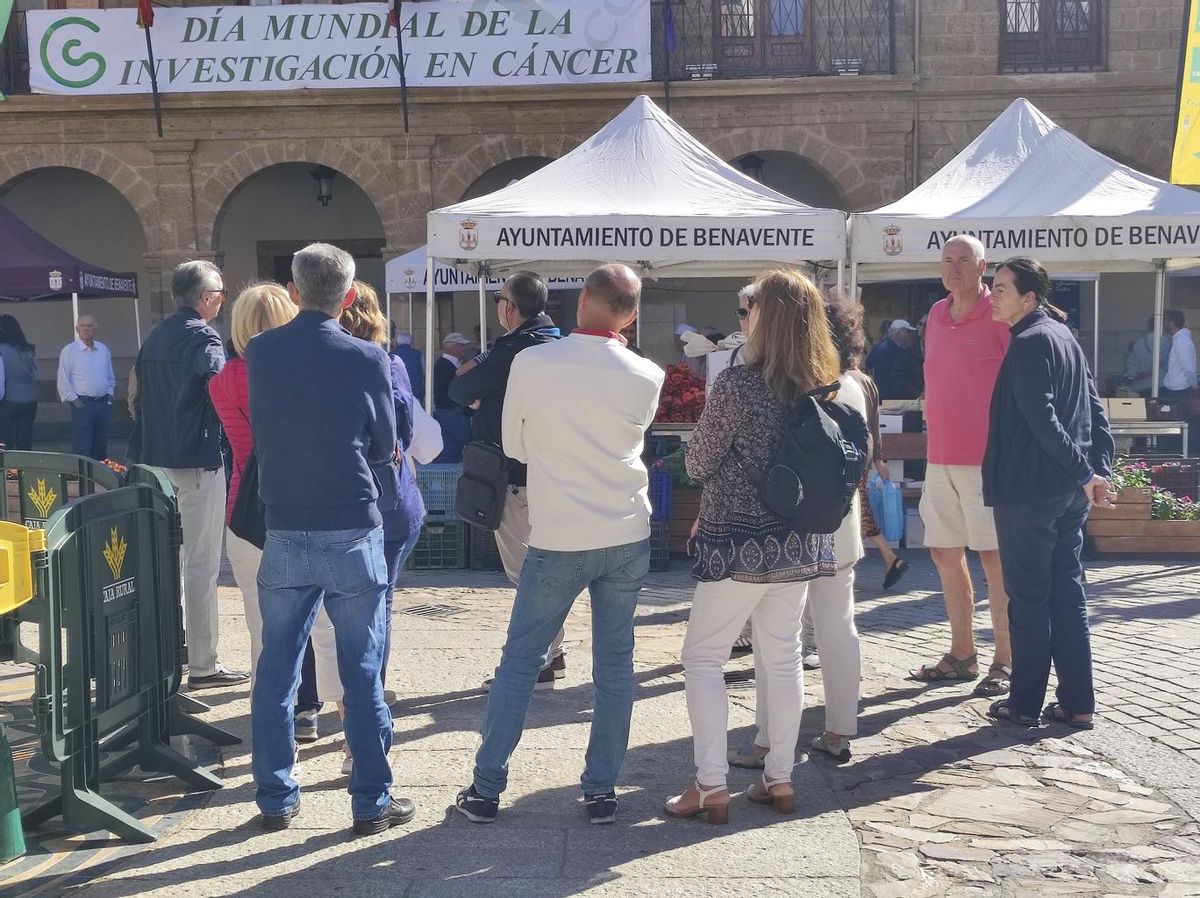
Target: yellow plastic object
(17, 545)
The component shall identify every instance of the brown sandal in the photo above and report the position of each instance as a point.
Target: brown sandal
(959, 669)
(996, 683)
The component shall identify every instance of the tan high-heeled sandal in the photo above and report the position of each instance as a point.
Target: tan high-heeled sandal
(777, 793)
(718, 811)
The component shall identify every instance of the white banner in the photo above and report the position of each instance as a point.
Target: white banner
(406, 274)
(283, 47)
(633, 238)
(1062, 238)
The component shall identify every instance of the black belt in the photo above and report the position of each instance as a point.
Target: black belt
(94, 398)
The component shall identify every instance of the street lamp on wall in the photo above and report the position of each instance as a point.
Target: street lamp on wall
(323, 175)
(752, 164)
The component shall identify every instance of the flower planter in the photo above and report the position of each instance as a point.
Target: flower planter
(1128, 528)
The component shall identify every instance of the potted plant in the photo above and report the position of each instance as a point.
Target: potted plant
(1146, 519)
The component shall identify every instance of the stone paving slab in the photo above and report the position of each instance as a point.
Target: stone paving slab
(937, 801)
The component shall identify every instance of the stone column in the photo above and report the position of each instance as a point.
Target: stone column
(172, 236)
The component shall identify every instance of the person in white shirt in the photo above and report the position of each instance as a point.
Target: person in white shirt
(1181, 363)
(87, 382)
(576, 413)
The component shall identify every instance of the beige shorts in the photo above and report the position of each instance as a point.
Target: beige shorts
(952, 509)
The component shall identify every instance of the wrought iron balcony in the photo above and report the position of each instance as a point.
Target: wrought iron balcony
(774, 38)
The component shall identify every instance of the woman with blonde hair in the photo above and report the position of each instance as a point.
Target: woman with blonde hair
(400, 501)
(262, 307)
(750, 564)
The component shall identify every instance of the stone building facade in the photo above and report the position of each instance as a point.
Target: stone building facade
(868, 137)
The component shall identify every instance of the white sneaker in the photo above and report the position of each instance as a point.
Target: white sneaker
(347, 765)
(811, 661)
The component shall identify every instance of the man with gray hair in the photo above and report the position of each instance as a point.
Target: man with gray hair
(176, 428)
(964, 349)
(322, 414)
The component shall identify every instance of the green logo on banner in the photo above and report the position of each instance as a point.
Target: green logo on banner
(68, 53)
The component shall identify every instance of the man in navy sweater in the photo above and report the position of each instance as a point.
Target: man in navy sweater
(322, 414)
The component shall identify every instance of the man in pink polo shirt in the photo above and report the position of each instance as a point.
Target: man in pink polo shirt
(964, 347)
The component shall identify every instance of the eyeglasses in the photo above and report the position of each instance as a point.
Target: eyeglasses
(223, 292)
(745, 313)
(499, 297)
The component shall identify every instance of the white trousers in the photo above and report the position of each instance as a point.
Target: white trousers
(244, 558)
(512, 541)
(831, 605)
(719, 611)
(201, 498)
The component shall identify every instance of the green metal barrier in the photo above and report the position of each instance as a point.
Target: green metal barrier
(180, 709)
(45, 482)
(112, 574)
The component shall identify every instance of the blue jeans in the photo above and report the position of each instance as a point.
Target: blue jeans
(345, 569)
(1047, 608)
(395, 555)
(89, 428)
(549, 585)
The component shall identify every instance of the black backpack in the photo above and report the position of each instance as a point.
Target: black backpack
(822, 456)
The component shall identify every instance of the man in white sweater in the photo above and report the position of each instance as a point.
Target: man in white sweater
(576, 413)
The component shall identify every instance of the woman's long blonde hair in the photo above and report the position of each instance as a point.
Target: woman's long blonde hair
(259, 307)
(364, 319)
(791, 341)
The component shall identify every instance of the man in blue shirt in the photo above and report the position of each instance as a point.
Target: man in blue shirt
(895, 365)
(322, 414)
(414, 364)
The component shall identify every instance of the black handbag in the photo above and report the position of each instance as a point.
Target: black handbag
(479, 499)
(249, 518)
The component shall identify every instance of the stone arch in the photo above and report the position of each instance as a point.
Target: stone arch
(823, 154)
(123, 175)
(461, 172)
(217, 179)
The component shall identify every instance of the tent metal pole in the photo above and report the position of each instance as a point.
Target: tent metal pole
(854, 279)
(137, 321)
(75, 310)
(482, 311)
(1096, 328)
(841, 277)
(1160, 300)
(429, 345)
(411, 327)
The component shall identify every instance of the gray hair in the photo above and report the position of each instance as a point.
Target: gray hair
(323, 275)
(191, 280)
(746, 293)
(976, 245)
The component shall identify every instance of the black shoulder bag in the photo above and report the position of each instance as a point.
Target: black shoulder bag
(479, 499)
(249, 518)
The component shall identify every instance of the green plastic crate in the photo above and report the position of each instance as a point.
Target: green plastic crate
(442, 546)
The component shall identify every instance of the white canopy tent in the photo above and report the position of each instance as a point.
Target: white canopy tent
(640, 191)
(408, 273)
(1028, 187)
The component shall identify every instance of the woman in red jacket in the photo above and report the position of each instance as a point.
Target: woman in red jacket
(260, 307)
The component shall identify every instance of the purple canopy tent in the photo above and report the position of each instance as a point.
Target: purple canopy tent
(33, 268)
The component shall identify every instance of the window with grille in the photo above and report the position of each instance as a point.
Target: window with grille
(1052, 35)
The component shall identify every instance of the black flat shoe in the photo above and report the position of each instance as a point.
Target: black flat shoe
(895, 571)
(218, 680)
(276, 822)
(399, 812)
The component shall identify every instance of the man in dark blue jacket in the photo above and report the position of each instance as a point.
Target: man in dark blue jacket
(1048, 460)
(480, 385)
(175, 428)
(414, 364)
(322, 413)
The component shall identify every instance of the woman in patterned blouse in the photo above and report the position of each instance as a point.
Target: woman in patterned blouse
(749, 563)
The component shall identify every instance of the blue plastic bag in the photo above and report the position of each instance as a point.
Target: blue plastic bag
(887, 506)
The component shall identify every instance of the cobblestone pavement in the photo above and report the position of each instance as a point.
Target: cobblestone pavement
(937, 801)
